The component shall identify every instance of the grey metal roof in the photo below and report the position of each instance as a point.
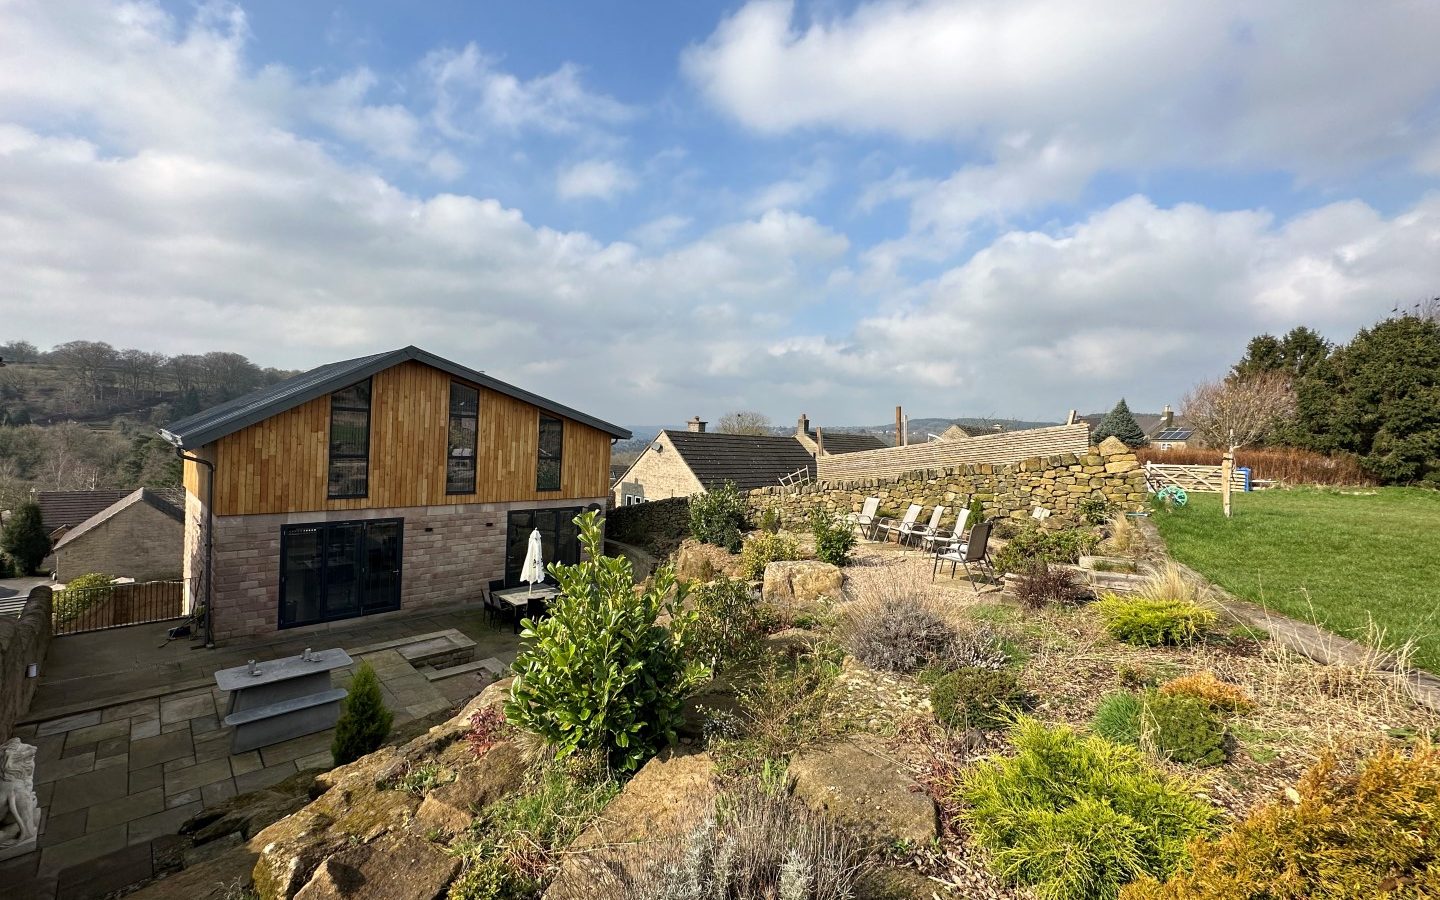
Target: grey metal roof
(233, 415)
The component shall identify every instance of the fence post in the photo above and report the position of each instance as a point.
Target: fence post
(1227, 470)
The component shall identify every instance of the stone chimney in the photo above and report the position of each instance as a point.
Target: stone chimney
(696, 425)
(802, 425)
(1167, 416)
(819, 441)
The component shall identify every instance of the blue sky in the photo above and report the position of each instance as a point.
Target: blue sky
(658, 210)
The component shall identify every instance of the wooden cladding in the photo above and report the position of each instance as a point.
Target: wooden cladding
(280, 465)
(996, 449)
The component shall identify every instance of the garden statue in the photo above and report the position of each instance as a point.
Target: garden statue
(19, 812)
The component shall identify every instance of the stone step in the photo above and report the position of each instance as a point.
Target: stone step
(443, 648)
(489, 664)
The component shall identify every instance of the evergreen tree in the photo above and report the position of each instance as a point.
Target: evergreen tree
(1296, 354)
(365, 722)
(24, 539)
(1120, 423)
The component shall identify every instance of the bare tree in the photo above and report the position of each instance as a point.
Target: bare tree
(743, 422)
(1239, 412)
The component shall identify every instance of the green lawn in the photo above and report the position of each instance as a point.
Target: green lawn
(1334, 558)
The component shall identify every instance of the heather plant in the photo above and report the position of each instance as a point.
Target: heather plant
(1154, 622)
(912, 635)
(977, 698)
(600, 672)
(1076, 817)
(1043, 585)
(718, 517)
(762, 549)
(364, 721)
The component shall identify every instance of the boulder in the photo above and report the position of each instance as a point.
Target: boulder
(666, 798)
(798, 586)
(395, 867)
(248, 814)
(695, 561)
(450, 808)
(858, 785)
(213, 879)
(1113, 446)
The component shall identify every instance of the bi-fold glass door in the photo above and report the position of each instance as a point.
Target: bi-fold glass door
(338, 570)
(559, 538)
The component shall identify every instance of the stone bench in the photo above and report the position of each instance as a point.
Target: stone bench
(261, 726)
(282, 698)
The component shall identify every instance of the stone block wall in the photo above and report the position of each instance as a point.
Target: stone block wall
(138, 542)
(23, 640)
(657, 525)
(1056, 483)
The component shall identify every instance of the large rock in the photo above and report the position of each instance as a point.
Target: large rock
(450, 808)
(858, 785)
(667, 797)
(695, 561)
(396, 867)
(214, 879)
(799, 586)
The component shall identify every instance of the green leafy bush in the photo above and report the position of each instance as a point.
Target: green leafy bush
(1179, 727)
(770, 521)
(1076, 817)
(762, 549)
(1095, 509)
(730, 624)
(834, 538)
(79, 594)
(976, 698)
(1152, 622)
(364, 721)
(718, 517)
(1374, 833)
(24, 539)
(600, 673)
(1033, 544)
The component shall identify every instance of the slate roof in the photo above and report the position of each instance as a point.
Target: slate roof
(62, 509)
(142, 495)
(233, 415)
(751, 461)
(838, 442)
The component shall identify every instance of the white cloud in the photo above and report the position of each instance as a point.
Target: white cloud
(601, 179)
(661, 231)
(790, 193)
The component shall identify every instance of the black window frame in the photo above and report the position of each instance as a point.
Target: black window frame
(450, 445)
(337, 405)
(541, 457)
(365, 606)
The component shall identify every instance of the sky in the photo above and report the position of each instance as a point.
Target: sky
(656, 210)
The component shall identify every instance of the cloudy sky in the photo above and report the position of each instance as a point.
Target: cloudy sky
(653, 210)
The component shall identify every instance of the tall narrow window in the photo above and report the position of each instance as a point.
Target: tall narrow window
(552, 444)
(464, 436)
(350, 441)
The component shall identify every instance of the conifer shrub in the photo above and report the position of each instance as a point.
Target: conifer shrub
(1076, 816)
(364, 721)
(718, 517)
(24, 539)
(1374, 833)
(770, 521)
(1150, 622)
(1176, 726)
(1221, 696)
(977, 698)
(762, 549)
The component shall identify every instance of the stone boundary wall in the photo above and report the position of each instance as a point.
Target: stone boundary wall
(1057, 483)
(657, 525)
(23, 640)
(993, 449)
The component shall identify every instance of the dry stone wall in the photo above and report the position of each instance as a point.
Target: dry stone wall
(24, 639)
(1056, 483)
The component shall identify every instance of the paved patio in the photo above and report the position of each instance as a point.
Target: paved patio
(131, 741)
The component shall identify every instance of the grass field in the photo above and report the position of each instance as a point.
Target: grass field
(1334, 558)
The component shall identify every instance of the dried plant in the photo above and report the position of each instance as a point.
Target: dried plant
(1238, 412)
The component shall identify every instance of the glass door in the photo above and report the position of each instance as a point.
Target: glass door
(337, 570)
(559, 538)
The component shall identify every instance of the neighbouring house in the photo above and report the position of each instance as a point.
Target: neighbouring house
(681, 463)
(379, 485)
(139, 536)
(62, 510)
(1162, 429)
(959, 432)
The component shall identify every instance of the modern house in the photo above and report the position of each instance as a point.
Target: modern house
(139, 536)
(681, 463)
(378, 485)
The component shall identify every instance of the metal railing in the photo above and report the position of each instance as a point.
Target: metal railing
(78, 610)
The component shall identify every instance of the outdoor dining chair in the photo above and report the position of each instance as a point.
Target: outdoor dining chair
(890, 526)
(955, 537)
(495, 608)
(973, 552)
(866, 519)
(918, 533)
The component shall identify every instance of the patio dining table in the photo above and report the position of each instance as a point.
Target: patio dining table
(519, 598)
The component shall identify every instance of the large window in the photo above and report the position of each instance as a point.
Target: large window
(552, 445)
(338, 570)
(350, 441)
(464, 439)
(559, 538)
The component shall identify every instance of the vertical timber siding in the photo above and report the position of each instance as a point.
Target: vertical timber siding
(280, 465)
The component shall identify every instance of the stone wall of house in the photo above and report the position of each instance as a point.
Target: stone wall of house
(193, 554)
(23, 640)
(449, 554)
(1056, 483)
(138, 542)
(657, 475)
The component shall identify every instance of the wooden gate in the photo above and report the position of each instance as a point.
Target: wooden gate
(1195, 478)
(79, 610)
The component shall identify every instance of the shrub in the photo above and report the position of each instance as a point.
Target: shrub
(364, 721)
(1373, 833)
(976, 698)
(1033, 544)
(756, 843)
(1178, 727)
(762, 549)
(600, 673)
(1150, 623)
(1218, 695)
(24, 539)
(977, 511)
(1117, 718)
(789, 703)
(729, 626)
(834, 538)
(770, 521)
(718, 516)
(1095, 509)
(1078, 816)
(487, 728)
(911, 635)
(80, 593)
(1043, 585)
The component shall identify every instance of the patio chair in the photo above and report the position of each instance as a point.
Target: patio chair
(495, 608)
(890, 526)
(954, 538)
(918, 533)
(974, 551)
(866, 519)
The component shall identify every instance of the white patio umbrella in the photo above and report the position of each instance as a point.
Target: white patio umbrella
(533, 569)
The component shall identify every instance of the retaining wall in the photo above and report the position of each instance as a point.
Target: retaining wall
(23, 640)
